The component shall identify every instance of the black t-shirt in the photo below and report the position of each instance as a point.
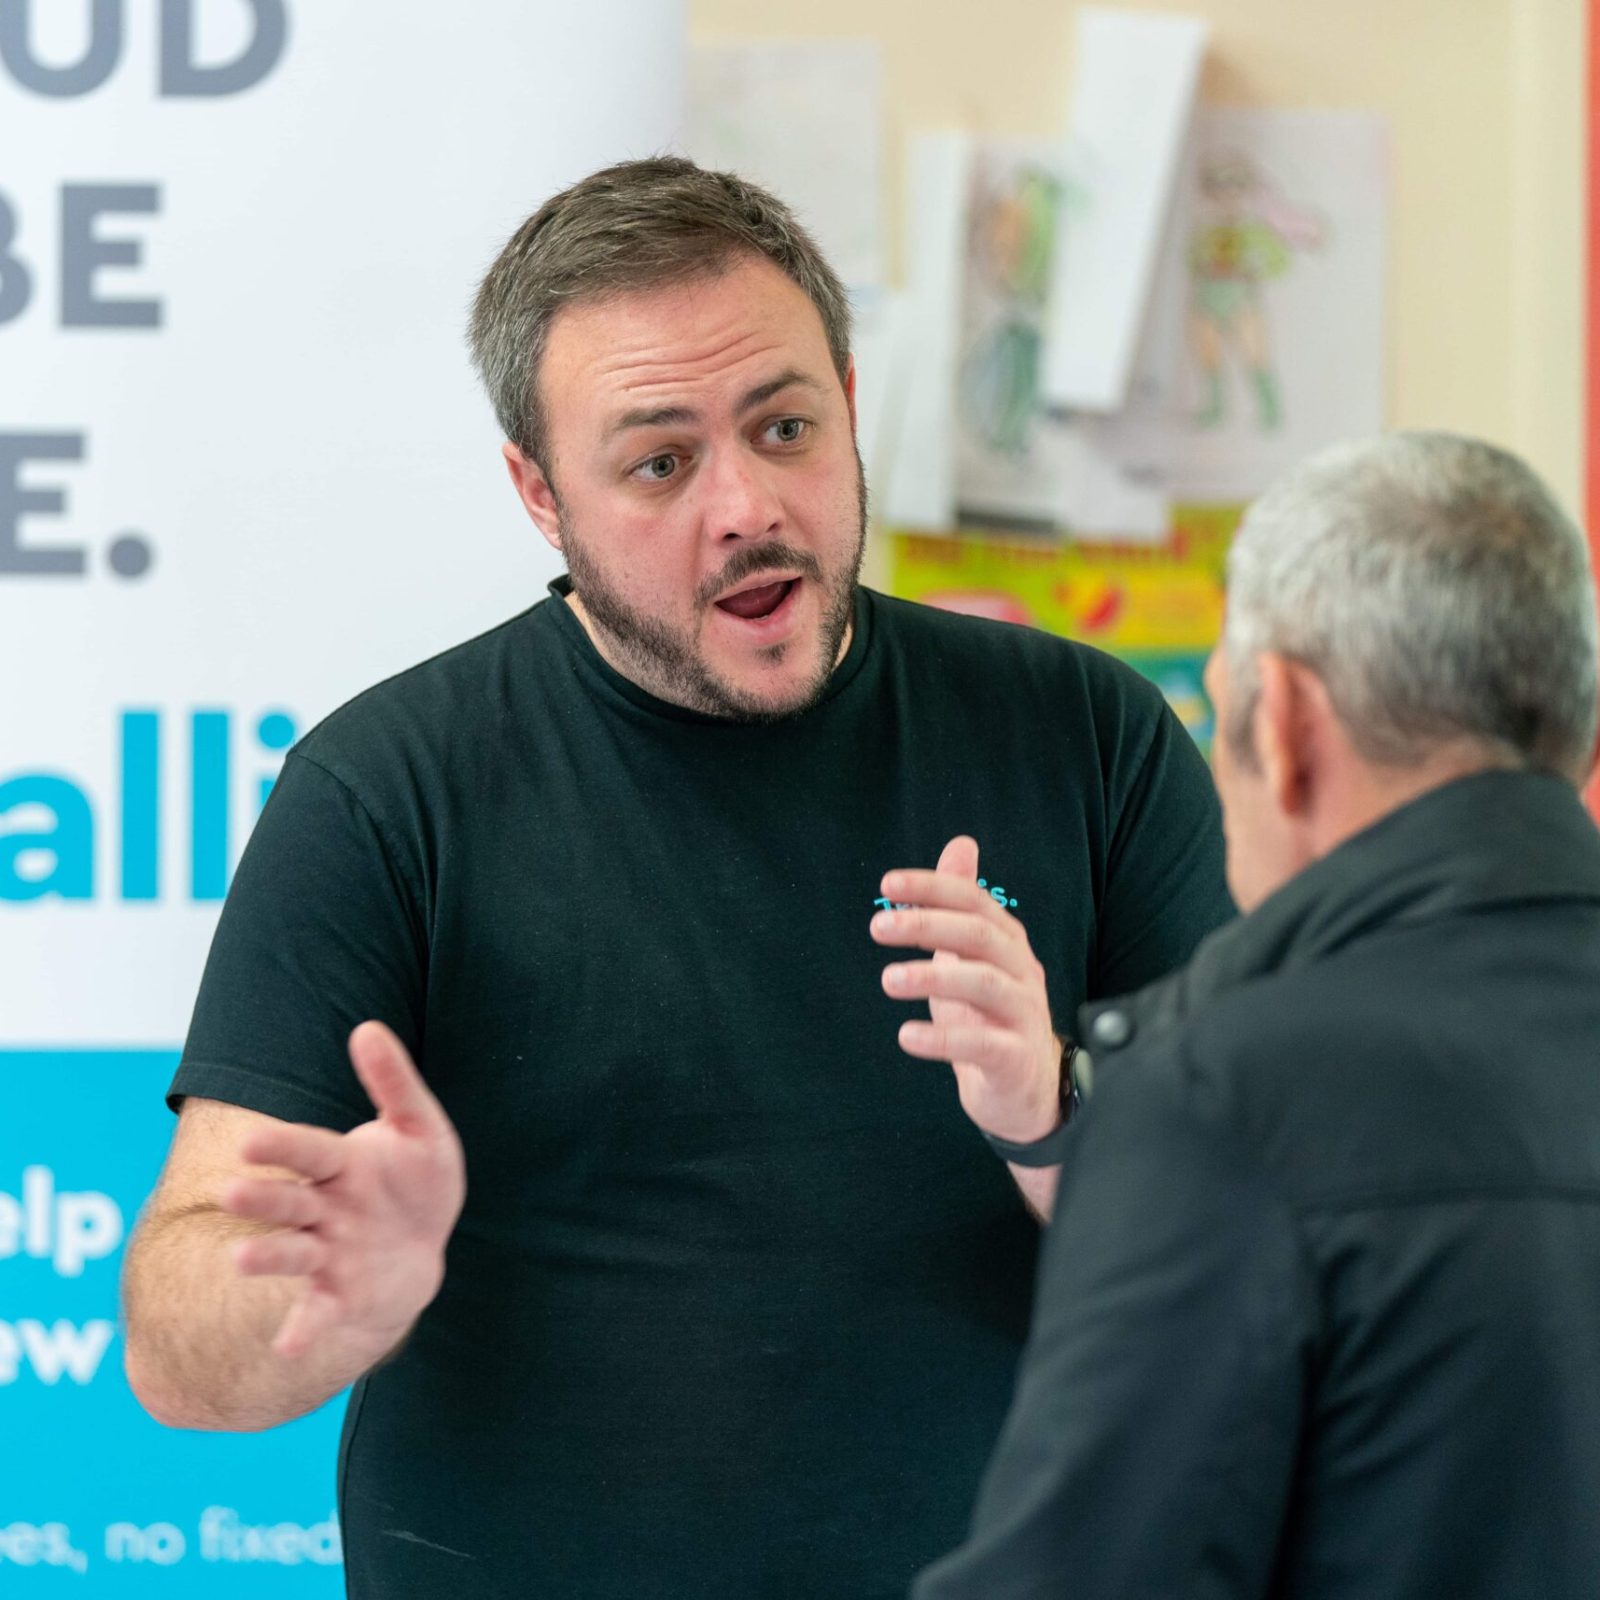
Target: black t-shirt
(736, 1300)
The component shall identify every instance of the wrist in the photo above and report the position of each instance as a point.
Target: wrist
(1044, 1147)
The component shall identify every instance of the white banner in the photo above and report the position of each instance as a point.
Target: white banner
(245, 468)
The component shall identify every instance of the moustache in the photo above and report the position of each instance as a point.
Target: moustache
(755, 559)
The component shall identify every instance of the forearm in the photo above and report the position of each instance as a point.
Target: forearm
(199, 1334)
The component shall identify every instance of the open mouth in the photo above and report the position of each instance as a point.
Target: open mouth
(759, 601)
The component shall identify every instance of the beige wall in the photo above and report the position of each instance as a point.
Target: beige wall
(1485, 102)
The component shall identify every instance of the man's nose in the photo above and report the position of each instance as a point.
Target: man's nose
(742, 499)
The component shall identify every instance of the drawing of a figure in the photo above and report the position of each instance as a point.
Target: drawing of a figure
(1011, 234)
(1246, 234)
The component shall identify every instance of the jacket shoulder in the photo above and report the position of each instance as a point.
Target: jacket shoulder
(1415, 1062)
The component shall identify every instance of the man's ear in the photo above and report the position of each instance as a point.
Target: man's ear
(535, 491)
(850, 393)
(1589, 773)
(1284, 730)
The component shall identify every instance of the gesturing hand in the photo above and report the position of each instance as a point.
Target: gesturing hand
(363, 1220)
(985, 990)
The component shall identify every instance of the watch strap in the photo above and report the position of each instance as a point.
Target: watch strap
(1048, 1151)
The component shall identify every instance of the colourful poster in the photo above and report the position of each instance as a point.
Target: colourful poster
(1265, 334)
(1158, 607)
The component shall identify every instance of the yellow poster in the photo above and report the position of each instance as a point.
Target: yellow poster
(1159, 606)
(1126, 598)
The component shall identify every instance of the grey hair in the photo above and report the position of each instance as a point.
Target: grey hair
(636, 225)
(1438, 591)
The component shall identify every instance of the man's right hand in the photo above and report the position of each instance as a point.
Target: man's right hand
(360, 1220)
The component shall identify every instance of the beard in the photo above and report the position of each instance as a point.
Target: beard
(668, 662)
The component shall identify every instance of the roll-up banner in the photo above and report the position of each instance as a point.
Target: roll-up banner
(245, 470)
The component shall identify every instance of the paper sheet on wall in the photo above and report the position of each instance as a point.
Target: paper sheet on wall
(804, 119)
(918, 488)
(1016, 462)
(1132, 103)
(1265, 338)
(884, 345)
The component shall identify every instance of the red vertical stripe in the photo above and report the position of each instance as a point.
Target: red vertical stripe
(1592, 315)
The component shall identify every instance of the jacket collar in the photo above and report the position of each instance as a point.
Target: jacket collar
(1490, 839)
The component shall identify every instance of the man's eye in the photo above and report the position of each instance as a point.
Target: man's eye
(657, 469)
(789, 430)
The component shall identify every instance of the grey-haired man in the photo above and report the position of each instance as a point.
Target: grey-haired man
(1320, 1309)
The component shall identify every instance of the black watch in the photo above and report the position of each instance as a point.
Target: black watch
(1046, 1152)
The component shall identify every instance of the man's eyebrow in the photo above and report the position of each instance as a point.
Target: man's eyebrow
(660, 417)
(763, 392)
(676, 416)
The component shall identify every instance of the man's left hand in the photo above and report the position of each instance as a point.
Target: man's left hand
(985, 990)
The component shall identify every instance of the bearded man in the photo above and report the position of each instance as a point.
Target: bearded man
(666, 1268)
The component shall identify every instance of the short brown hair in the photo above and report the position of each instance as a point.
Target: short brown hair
(637, 225)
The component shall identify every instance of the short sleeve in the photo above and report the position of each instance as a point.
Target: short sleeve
(321, 930)
(1165, 884)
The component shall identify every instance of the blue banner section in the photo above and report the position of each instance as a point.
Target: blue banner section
(95, 1498)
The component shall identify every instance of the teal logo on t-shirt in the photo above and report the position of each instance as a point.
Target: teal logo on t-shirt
(996, 893)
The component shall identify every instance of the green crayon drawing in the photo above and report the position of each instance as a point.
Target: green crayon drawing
(1010, 241)
(1246, 234)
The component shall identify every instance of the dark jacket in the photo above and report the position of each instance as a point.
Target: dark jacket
(1320, 1314)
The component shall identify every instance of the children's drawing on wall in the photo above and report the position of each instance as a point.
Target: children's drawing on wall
(1245, 234)
(1006, 457)
(1263, 339)
(1018, 463)
(1010, 234)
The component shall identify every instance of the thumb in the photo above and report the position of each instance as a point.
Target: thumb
(959, 858)
(392, 1081)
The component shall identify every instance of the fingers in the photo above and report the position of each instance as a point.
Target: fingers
(281, 1255)
(958, 859)
(978, 984)
(286, 1203)
(943, 890)
(314, 1153)
(392, 1081)
(314, 1314)
(956, 932)
(997, 1051)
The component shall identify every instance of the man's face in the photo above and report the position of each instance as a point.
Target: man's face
(704, 486)
(1250, 822)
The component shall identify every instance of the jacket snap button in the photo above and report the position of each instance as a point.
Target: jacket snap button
(1112, 1029)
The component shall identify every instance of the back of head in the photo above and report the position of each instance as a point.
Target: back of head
(635, 226)
(1438, 591)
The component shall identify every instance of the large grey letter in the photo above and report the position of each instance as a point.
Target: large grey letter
(15, 448)
(82, 77)
(83, 254)
(16, 282)
(182, 76)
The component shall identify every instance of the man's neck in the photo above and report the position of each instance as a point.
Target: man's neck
(1370, 792)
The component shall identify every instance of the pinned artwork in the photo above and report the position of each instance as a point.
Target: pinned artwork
(1008, 449)
(1157, 607)
(1265, 338)
(1018, 462)
(1132, 102)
